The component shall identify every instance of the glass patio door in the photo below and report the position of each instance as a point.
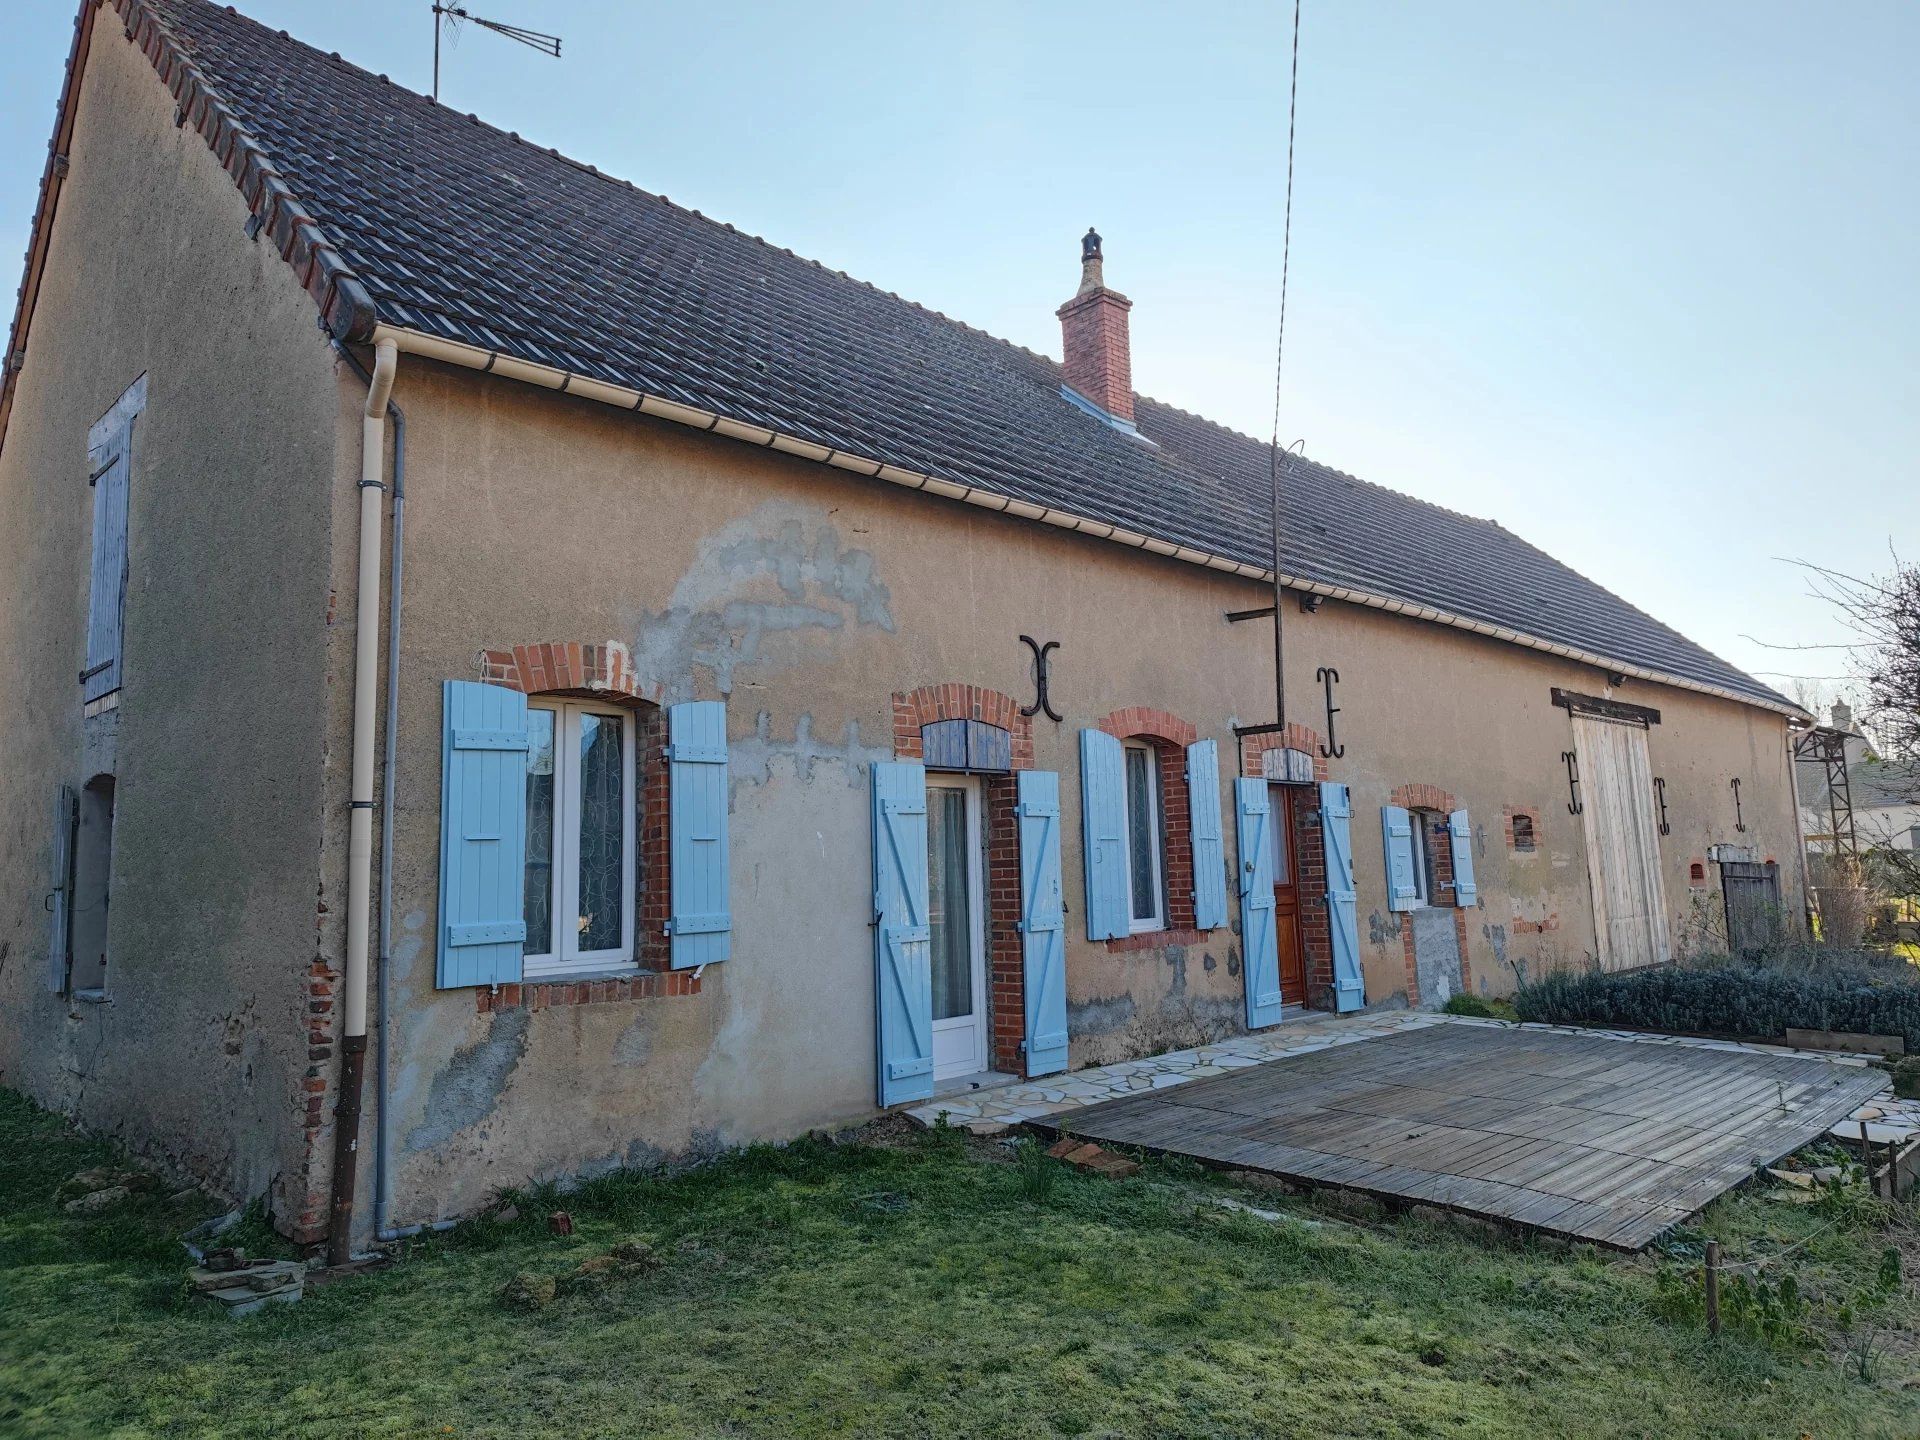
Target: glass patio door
(956, 917)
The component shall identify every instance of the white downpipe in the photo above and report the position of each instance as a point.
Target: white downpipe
(366, 683)
(366, 686)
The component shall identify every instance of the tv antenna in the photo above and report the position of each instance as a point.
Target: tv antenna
(443, 13)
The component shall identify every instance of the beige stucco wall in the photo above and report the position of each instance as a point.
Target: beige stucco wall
(805, 597)
(219, 737)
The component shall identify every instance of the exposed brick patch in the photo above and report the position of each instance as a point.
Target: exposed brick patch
(955, 701)
(1307, 741)
(1154, 939)
(548, 994)
(566, 667)
(1523, 926)
(653, 884)
(1526, 839)
(1006, 964)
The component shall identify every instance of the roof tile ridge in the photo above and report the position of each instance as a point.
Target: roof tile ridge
(346, 305)
(587, 168)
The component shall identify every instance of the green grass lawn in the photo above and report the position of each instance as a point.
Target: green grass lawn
(930, 1285)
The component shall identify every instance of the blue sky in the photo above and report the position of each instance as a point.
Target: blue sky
(1641, 281)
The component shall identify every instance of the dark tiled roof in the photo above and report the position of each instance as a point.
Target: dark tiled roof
(465, 233)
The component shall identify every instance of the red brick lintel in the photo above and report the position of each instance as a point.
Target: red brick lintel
(544, 995)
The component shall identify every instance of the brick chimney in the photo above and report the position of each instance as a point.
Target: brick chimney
(1093, 327)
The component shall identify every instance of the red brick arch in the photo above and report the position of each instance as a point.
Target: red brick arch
(1424, 797)
(1144, 722)
(1296, 736)
(567, 667)
(955, 701)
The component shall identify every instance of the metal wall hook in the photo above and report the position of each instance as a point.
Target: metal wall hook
(1330, 677)
(1041, 704)
(1739, 820)
(1574, 807)
(1660, 792)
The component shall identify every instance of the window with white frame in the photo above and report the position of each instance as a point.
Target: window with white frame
(1146, 845)
(579, 890)
(1422, 864)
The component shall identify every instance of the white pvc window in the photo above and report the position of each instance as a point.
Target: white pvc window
(1422, 866)
(579, 892)
(1146, 858)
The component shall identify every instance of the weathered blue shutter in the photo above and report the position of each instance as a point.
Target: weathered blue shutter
(1460, 832)
(1259, 945)
(903, 957)
(60, 888)
(106, 603)
(1103, 826)
(1396, 829)
(1209, 843)
(483, 835)
(1336, 813)
(1043, 936)
(701, 925)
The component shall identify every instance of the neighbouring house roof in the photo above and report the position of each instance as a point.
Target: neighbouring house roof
(1872, 784)
(402, 213)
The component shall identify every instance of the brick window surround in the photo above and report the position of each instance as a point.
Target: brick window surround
(1309, 855)
(1000, 833)
(1169, 736)
(1524, 840)
(1434, 802)
(604, 672)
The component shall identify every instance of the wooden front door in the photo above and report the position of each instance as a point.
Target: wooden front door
(1286, 895)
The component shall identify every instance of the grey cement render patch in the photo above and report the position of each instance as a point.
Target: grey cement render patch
(722, 619)
(1436, 955)
(750, 760)
(467, 1090)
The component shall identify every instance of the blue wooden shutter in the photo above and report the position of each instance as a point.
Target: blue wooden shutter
(1259, 945)
(1460, 832)
(903, 955)
(1336, 833)
(1043, 936)
(1103, 825)
(1396, 829)
(107, 598)
(483, 835)
(1209, 843)
(701, 925)
(60, 888)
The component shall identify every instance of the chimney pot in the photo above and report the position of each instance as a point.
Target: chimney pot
(1094, 341)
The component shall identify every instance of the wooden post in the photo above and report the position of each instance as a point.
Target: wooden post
(1713, 1287)
(1866, 1159)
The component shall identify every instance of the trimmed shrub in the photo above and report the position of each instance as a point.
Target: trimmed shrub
(1851, 991)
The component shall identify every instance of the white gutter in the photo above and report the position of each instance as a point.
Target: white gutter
(366, 684)
(495, 362)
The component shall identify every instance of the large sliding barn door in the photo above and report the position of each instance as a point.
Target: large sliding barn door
(1623, 842)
